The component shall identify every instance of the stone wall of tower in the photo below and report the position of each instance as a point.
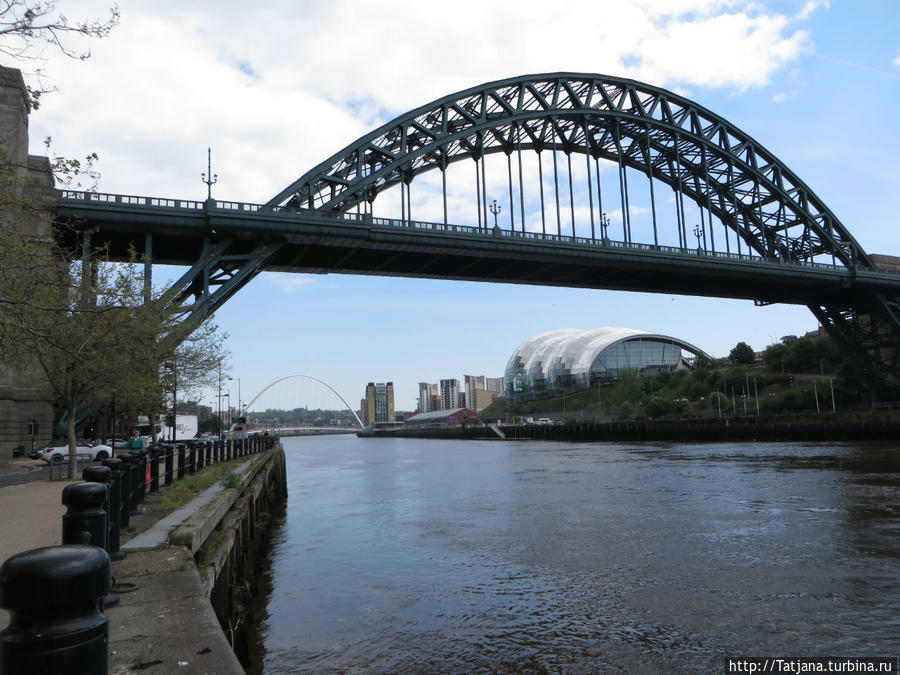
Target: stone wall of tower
(23, 393)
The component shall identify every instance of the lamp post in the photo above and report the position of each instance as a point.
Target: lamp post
(213, 177)
(238, 380)
(174, 400)
(227, 395)
(219, 424)
(495, 208)
(604, 225)
(698, 232)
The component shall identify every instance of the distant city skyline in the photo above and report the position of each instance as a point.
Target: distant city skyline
(293, 83)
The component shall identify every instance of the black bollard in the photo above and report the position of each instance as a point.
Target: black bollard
(170, 464)
(85, 520)
(143, 477)
(154, 469)
(115, 507)
(56, 624)
(181, 461)
(102, 475)
(124, 492)
(192, 459)
(129, 498)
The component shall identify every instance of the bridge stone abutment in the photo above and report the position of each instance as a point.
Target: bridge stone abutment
(24, 179)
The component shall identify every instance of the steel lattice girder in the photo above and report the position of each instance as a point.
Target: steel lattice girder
(869, 334)
(216, 276)
(649, 129)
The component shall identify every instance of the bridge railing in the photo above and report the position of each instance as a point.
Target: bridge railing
(599, 242)
(419, 225)
(131, 200)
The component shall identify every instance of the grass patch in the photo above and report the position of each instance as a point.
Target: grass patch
(182, 491)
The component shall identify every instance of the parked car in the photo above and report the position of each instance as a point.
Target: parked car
(37, 453)
(58, 451)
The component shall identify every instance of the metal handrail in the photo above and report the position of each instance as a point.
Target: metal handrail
(487, 233)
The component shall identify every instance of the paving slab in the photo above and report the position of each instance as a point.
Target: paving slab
(163, 622)
(31, 518)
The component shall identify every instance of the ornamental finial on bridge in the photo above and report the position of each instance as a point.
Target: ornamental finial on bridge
(213, 177)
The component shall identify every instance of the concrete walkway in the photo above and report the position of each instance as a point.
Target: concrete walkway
(30, 514)
(163, 622)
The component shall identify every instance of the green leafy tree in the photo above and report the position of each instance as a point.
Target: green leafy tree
(85, 327)
(629, 390)
(211, 425)
(190, 364)
(657, 407)
(741, 353)
(719, 402)
(697, 389)
(702, 362)
(774, 357)
(803, 355)
(681, 408)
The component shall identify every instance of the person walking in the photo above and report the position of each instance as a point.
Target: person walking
(135, 442)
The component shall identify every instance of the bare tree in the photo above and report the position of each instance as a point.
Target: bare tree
(27, 27)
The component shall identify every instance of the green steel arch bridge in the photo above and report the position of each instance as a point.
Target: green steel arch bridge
(603, 183)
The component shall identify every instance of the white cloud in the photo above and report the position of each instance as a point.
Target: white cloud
(810, 7)
(737, 50)
(276, 89)
(290, 282)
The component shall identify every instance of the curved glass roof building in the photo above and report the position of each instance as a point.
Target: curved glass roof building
(570, 358)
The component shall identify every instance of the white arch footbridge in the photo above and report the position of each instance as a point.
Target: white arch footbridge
(309, 377)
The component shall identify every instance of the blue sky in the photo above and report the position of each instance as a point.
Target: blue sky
(277, 88)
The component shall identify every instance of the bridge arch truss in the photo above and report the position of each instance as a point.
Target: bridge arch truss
(668, 138)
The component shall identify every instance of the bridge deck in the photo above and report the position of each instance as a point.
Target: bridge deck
(314, 243)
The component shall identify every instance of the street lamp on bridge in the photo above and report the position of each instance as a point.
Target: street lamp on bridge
(213, 177)
(495, 208)
(698, 232)
(604, 225)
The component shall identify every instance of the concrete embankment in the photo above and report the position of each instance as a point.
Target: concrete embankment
(804, 427)
(181, 583)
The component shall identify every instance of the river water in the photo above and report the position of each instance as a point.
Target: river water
(408, 556)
